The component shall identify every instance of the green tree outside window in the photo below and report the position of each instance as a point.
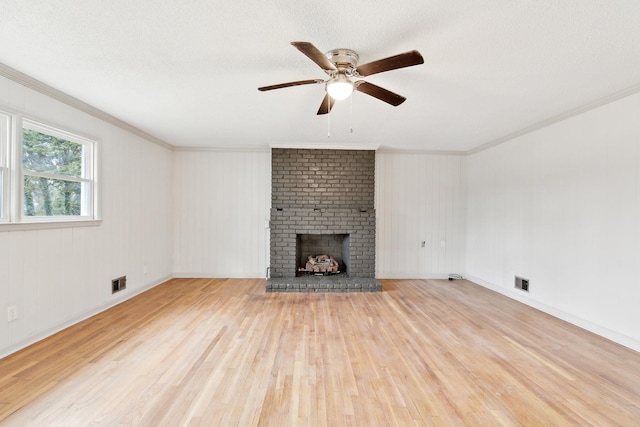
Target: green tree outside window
(46, 161)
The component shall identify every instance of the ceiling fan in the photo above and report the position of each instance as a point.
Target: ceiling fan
(342, 65)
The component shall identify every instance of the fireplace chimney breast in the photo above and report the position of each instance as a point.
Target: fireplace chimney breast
(323, 192)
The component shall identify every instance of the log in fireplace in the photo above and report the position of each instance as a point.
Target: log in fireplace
(320, 265)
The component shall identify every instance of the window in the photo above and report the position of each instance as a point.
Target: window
(5, 136)
(56, 173)
(46, 174)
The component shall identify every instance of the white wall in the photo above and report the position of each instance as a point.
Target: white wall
(59, 276)
(420, 197)
(561, 207)
(222, 201)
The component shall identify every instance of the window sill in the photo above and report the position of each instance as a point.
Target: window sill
(44, 225)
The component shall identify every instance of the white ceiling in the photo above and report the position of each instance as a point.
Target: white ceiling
(187, 71)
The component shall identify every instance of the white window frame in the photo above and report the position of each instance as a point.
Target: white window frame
(12, 215)
(86, 178)
(6, 120)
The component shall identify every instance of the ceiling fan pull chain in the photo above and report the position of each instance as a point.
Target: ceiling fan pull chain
(351, 113)
(329, 117)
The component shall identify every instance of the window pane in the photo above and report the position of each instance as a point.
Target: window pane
(1, 193)
(48, 154)
(4, 149)
(51, 197)
(4, 138)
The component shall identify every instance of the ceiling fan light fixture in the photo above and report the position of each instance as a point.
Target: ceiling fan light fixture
(340, 87)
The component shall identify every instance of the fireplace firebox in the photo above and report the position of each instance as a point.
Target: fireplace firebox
(335, 246)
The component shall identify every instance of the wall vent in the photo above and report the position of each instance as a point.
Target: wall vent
(118, 284)
(522, 283)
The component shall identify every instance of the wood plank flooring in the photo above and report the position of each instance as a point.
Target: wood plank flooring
(218, 352)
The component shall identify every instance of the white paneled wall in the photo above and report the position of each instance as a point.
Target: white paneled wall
(222, 201)
(561, 207)
(419, 197)
(58, 276)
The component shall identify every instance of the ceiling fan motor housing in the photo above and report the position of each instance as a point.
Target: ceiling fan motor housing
(345, 60)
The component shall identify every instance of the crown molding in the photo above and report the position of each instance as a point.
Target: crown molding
(255, 149)
(27, 81)
(556, 119)
(325, 146)
(389, 150)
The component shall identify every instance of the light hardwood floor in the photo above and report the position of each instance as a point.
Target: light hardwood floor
(221, 352)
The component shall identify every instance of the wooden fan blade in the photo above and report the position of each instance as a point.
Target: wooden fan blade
(298, 83)
(315, 55)
(327, 105)
(406, 59)
(380, 93)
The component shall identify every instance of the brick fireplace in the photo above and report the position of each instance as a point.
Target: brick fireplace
(322, 201)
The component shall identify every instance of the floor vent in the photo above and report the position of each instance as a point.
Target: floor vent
(118, 284)
(522, 283)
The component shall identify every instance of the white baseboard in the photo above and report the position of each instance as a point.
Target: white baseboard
(403, 276)
(77, 319)
(201, 275)
(567, 317)
(584, 324)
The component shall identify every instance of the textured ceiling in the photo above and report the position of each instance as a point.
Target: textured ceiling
(187, 72)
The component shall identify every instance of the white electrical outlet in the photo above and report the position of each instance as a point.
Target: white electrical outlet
(12, 313)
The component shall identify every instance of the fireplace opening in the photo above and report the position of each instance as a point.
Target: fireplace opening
(325, 250)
